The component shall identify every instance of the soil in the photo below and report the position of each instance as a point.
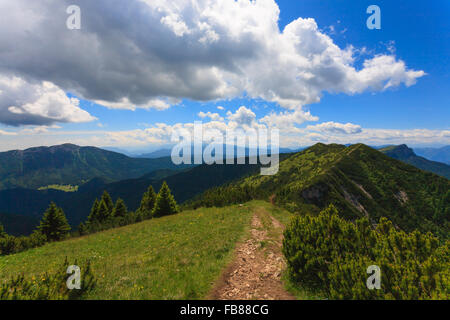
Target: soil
(255, 273)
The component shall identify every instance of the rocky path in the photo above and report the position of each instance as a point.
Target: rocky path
(255, 273)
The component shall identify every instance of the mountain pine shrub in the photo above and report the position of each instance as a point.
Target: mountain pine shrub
(329, 254)
(48, 285)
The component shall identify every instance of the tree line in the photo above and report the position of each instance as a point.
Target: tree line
(105, 214)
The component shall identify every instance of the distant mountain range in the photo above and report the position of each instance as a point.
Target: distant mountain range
(407, 155)
(435, 154)
(156, 154)
(70, 164)
(167, 152)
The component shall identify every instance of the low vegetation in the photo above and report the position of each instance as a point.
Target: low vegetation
(65, 188)
(50, 285)
(358, 180)
(173, 257)
(329, 255)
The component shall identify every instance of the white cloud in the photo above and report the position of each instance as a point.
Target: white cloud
(125, 103)
(37, 103)
(160, 134)
(242, 117)
(287, 119)
(336, 128)
(7, 133)
(212, 116)
(159, 51)
(174, 22)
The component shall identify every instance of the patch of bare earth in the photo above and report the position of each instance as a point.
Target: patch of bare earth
(255, 273)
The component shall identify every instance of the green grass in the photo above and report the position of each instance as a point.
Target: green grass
(65, 188)
(175, 257)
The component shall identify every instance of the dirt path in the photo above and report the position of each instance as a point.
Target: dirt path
(255, 273)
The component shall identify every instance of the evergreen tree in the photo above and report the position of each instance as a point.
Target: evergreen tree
(93, 216)
(103, 212)
(82, 229)
(147, 203)
(54, 224)
(106, 198)
(120, 209)
(3, 234)
(165, 203)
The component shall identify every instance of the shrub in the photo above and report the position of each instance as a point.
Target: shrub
(48, 285)
(331, 254)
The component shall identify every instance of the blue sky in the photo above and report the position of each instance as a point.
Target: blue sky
(414, 32)
(421, 31)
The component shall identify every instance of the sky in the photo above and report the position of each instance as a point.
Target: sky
(137, 70)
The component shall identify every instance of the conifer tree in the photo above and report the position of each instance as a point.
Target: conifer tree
(3, 234)
(120, 209)
(147, 203)
(165, 203)
(103, 212)
(93, 216)
(106, 198)
(82, 229)
(54, 224)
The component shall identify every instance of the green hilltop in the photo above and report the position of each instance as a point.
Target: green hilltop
(69, 164)
(358, 180)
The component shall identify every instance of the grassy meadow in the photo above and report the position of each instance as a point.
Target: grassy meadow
(174, 257)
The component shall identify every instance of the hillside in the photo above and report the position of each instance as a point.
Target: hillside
(435, 154)
(174, 257)
(405, 154)
(358, 180)
(71, 165)
(184, 184)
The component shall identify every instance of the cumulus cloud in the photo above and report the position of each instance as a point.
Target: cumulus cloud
(242, 117)
(149, 53)
(210, 115)
(287, 119)
(125, 103)
(336, 128)
(37, 103)
(161, 133)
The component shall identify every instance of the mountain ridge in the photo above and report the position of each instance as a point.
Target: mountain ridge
(407, 155)
(359, 180)
(71, 164)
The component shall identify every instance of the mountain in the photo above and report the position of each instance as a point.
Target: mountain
(156, 154)
(185, 184)
(119, 150)
(358, 180)
(435, 154)
(167, 152)
(70, 164)
(407, 155)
